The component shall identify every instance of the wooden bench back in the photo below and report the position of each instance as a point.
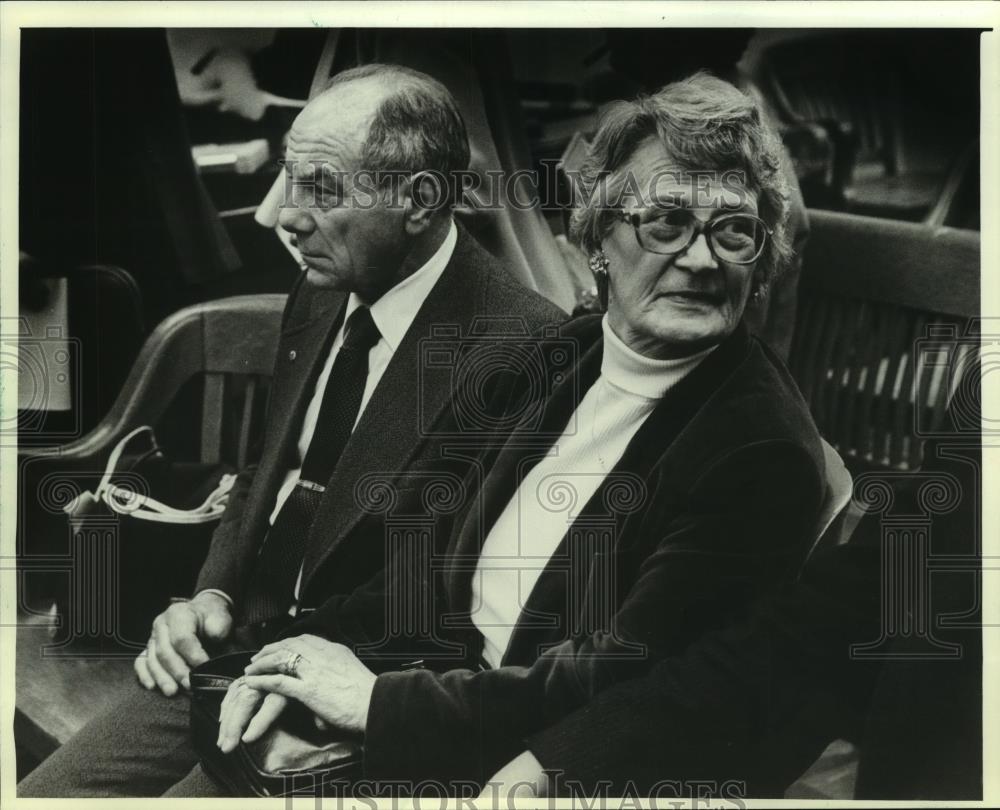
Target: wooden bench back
(874, 295)
(231, 343)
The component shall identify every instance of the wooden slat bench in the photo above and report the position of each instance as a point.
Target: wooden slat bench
(887, 317)
(229, 344)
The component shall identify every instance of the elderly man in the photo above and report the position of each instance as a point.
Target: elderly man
(384, 262)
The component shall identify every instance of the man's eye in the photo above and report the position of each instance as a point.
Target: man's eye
(327, 198)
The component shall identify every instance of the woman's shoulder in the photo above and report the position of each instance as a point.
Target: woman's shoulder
(758, 404)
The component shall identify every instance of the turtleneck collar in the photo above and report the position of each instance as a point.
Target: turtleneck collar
(639, 375)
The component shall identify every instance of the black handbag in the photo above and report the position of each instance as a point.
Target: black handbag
(293, 758)
(131, 553)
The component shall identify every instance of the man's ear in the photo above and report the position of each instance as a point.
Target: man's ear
(428, 193)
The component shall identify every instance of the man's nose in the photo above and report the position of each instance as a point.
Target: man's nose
(293, 217)
(698, 256)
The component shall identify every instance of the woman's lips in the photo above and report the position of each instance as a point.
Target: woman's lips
(693, 296)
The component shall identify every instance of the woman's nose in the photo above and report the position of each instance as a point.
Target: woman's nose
(698, 256)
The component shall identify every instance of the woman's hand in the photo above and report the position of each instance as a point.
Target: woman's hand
(238, 707)
(326, 677)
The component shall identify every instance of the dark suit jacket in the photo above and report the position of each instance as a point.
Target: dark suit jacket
(714, 500)
(746, 710)
(346, 543)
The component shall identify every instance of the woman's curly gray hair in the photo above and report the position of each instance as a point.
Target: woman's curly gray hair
(705, 124)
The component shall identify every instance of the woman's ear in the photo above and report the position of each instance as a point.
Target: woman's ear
(758, 291)
(599, 267)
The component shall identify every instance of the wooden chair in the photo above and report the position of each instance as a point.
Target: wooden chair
(228, 342)
(886, 318)
(229, 346)
(836, 500)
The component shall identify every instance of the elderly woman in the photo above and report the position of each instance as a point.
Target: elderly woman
(676, 473)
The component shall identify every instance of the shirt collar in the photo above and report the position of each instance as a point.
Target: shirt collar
(637, 374)
(395, 310)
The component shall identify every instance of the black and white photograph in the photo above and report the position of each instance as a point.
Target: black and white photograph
(499, 404)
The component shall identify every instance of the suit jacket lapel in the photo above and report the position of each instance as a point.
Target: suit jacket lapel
(302, 350)
(529, 443)
(389, 432)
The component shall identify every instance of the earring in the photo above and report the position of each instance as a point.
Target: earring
(760, 293)
(599, 267)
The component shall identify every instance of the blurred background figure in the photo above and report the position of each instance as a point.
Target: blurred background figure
(241, 83)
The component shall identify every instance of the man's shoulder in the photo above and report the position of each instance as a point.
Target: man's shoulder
(501, 294)
(504, 295)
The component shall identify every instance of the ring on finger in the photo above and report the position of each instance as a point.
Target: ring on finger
(291, 664)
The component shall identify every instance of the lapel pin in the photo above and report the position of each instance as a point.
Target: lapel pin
(292, 355)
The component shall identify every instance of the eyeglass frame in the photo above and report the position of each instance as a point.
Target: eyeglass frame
(700, 228)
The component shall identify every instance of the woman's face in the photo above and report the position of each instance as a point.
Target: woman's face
(669, 306)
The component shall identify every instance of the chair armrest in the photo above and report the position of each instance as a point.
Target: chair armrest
(148, 389)
(184, 344)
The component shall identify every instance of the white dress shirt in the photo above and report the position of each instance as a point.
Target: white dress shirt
(536, 519)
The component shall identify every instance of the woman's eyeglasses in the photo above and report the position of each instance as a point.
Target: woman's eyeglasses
(735, 238)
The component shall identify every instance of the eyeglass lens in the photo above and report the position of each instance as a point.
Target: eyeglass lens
(733, 237)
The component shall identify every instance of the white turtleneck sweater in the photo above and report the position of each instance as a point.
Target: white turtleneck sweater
(533, 524)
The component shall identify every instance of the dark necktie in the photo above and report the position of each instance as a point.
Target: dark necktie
(271, 590)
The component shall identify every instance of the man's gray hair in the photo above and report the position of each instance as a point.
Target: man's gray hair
(417, 127)
(705, 124)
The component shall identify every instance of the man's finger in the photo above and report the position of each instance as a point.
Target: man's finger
(166, 656)
(213, 618)
(181, 621)
(142, 671)
(163, 680)
(269, 711)
(189, 648)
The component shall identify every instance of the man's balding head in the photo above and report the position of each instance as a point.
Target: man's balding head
(410, 121)
(380, 123)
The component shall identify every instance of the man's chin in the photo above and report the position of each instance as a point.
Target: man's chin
(318, 278)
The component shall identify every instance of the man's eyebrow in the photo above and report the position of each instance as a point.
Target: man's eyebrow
(323, 174)
(290, 170)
